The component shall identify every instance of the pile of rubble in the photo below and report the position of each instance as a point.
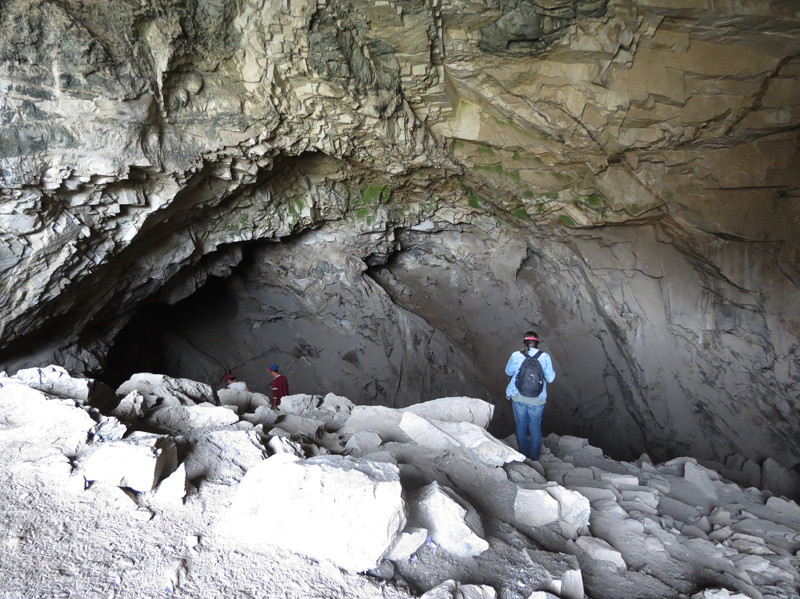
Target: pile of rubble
(414, 501)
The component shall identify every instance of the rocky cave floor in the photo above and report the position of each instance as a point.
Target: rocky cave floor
(140, 493)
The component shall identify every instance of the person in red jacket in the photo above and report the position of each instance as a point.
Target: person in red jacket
(280, 386)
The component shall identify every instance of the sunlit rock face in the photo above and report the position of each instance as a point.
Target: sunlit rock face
(384, 196)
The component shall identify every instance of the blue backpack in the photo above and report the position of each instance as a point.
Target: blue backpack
(530, 377)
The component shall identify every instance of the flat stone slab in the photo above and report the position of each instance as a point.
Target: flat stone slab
(336, 508)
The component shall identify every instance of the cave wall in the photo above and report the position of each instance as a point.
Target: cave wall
(624, 173)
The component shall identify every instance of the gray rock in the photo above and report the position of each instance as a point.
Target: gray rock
(698, 476)
(159, 388)
(780, 480)
(451, 589)
(189, 419)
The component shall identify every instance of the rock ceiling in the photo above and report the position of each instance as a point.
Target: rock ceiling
(400, 188)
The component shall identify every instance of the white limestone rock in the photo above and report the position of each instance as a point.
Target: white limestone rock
(718, 594)
(598, 549)
(294, 424)
(378, 419)
(130, 408)
(223, 456)
(299, 403)
(279, 444)
(408, 541)
(336, 404)
(34, 426)
(137, 462)
(189, 419)
(55, 380)
(455, 409)
(172, 490)
(159, 388)
(451, 589)
(535, 507)
(619, 479)
(479, 443)
(244, 401)
(473, 439)
(263, 415)
(362, 443)
(450, 520)
(335, 508)
(573, 508)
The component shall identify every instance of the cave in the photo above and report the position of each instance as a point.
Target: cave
(383, 197)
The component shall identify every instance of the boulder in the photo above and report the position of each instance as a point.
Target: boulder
(573, 508)
(455, 409)
(535, 507)
(336, 404)
(189, 419)
(451, 522)
(263, 415)
(598, 549)
(34, 426)
(162, 389)
(479, 443)
(336, 508)
(780, 480)
(130, 408)
(465, 435)
(299, 425)
(244, 401)
(408, 541)
(223, 456)
(172, 489)
(137, 462)
(55, 380)
(451, 589)
(362, 443)
(378, 419)
(298, 404)
(278, 444)
(698, 476)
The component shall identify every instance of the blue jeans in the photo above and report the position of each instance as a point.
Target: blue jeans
(528, 419)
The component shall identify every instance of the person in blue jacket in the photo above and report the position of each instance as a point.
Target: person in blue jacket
(528, 410)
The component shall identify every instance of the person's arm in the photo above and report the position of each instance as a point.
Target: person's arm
(547, 366)
(514, 363)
